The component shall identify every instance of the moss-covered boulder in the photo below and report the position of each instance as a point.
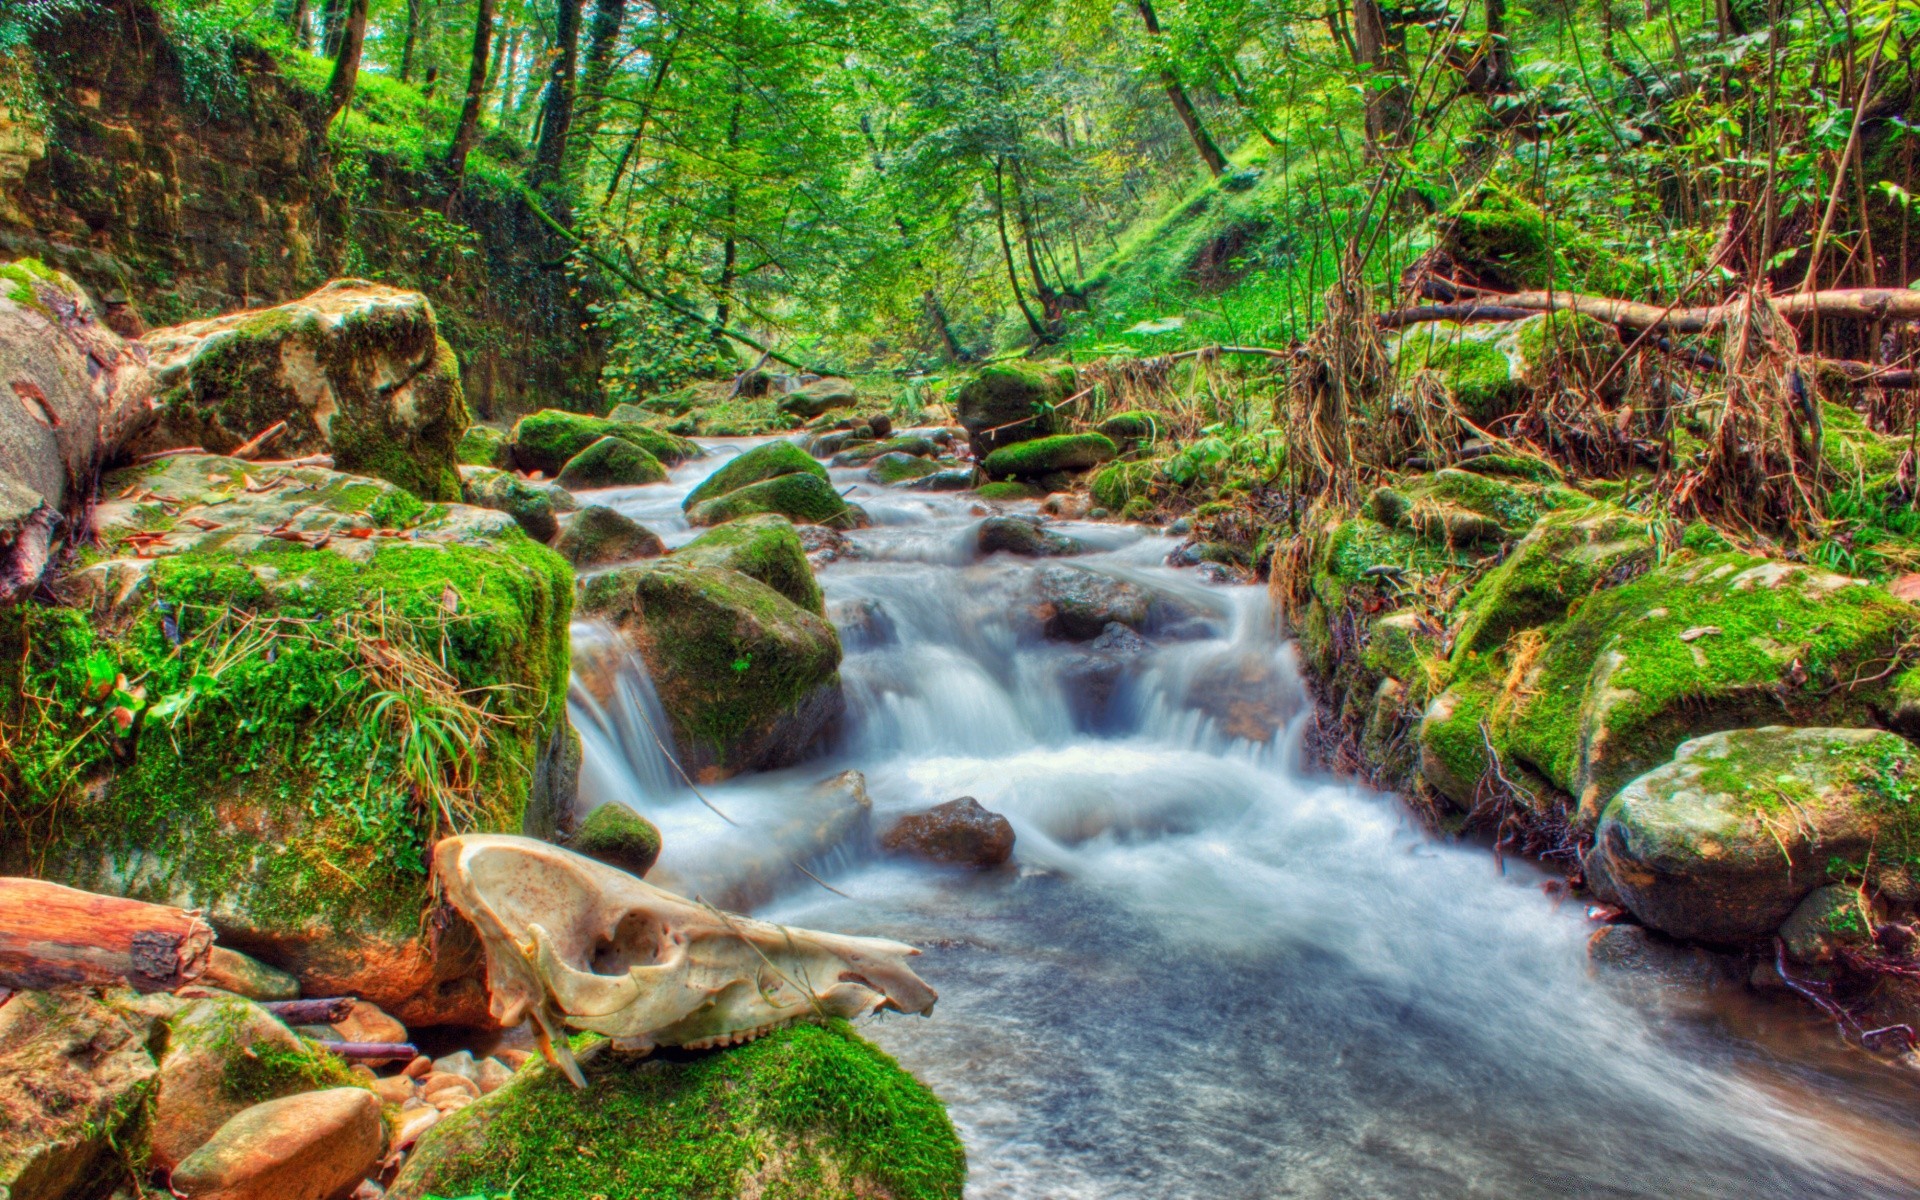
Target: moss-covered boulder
(944, 479)
(1463, 509)
(610, 462)
(356, 369)
(763, 462)
(890, 469)
(764, 547)
(856, 456)
(818, 397)
(1489, 368)
(1117, 484)
(811, 1112)
(1566, 556)
(1038, 457)
(546, 440)
(805, 499)
(1496, 238)
(749, 679)
(618, 836)
(598, 536)
(1723, 842)
(484, 446)
(530, 504)
(1011, 402)
(1009, 489)
(274, 690)
(1133, 426)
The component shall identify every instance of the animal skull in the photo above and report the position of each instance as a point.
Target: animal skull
(570, 941)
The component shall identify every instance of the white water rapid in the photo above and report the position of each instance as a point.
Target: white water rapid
(1214, 971)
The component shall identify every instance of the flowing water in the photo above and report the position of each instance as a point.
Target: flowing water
(1214, 971)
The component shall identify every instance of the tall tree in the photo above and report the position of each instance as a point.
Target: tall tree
(414, 8)
(603, 35)
(1379, 49)
(468, 131)
(346, 66)
(556, 107)
(1177, 92)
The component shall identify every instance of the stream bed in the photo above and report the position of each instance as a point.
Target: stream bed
(1212, 970)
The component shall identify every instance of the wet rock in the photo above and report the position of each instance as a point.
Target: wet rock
(395, 1089)
(1025, 536)
(222, 1056)
(748, 678)
(75, 1080)
(492, 1075)
(949, 479)
(768, 461)
(313, 1146)
(832, 442)
(618, 836)
(1830, 918)
(365, 1022)
(356, 370)
(824, 545)
(765, 547)
(1245, 693)
(911, 447)
(1011, 402)
(801, 498)
(484, 446)
(598, 536)
(1092, 679)
(1636, 954)
(1071, 505)
(546, 440)
(1040, 458)
(819, 396)
(245, 976)
(959, 833)
(529, 504)
(863, 624)
(611, 462)
(1722, 843)
(1078, 605)
(900, 468)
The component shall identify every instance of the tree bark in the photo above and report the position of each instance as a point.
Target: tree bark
(330, 25)
(937, 317)
(508, 66)
(1851, 304)
(603, 34)
(346, 67)
(1377, 49)
(1182, 104)
(413, 35)
(468, 131)
(556, 109)
(54, 937)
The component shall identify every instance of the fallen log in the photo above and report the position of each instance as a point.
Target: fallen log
(53, 937)
(1856, 304)
(324, 1011)
(371, 1051)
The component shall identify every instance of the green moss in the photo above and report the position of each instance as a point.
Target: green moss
(1118, 484)
(619, 836)
(805, 498)
(21, 278)
(396, 509)
(611, 462)
(484, 446)
(1497, 231)
(1134, 425)
(1572, 346)
(1475, 369)
(754, 466)
(1042, 456)
(865, 452)
(1566, 556)
(257, 725)
(901, 468)
(763, 547)
(545, 440)
(807, 1113)
(1852, 449)
(1009, 490)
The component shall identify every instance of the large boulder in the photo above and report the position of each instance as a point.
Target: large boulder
(611, 462)
(357, 370)
(529, 504)
(309, 675)
(76, 1082)
(1036, 457)
(78, 393)
(764, 547)
(801, 497)
(1011, 402)
(310, 1146)
(749, 679)
(811, 1112)
(763, 462)
(484, 446)
(546, 440)
(817, 397)
(1720, 844)
(1565, 557)
(598, 536)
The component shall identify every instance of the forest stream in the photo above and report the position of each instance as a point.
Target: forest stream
(1213, 970)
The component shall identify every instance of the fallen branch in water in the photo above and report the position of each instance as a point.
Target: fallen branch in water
(53, 936)
(311, 1012)
(371, 1051)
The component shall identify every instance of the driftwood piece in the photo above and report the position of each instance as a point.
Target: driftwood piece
(53, 936)
(372, 1051)
(1856, 304)
(324, 1011)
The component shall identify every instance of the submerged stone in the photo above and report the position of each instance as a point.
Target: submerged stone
(1025, 536)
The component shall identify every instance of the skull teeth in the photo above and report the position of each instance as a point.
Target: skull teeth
(738, 1037)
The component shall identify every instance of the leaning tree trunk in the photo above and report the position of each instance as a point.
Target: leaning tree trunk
(1388, 106)
(556, 110)
(603, 34)
(468, 131)
(346, 68)
(1182, 103)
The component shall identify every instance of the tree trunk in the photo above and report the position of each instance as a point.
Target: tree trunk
(346, 68)
(330, 26)
(300, 18)
(1499, 51)
(1376, 49)
(468, 131)
(1182, 104)
(603, 34)
(413, 35)
(508, 66)
(556, 109)
(1006, 249)
(53, 937)
(937, 317)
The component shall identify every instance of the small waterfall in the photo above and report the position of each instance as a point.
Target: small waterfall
(626, 742)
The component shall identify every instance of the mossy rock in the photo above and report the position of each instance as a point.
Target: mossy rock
(901, 468)
(1118, 484)
(1011, 402)
(618, 836)
(269, 760)
(1854, 451)
(598, 536)
(1513, 466)
(1460, 508)
(611, 462)
(764, 547)
(1571, 347)
(1134, 425)
(805, 499)
(1009, 489)
(1508, 243)
(749, 679)
(819, 396)
(1724, 641)
(1832, 918)
(764, 462)
(811, 1112)
(860, 455)
(1405, 646)
(546, 440)
(530, 504)
(1566, 556)
(484, 446)
(1723, 842)
(325, 365)
(1040, 457)
(1471, 360)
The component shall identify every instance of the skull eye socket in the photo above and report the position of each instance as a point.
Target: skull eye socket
(637, 941)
